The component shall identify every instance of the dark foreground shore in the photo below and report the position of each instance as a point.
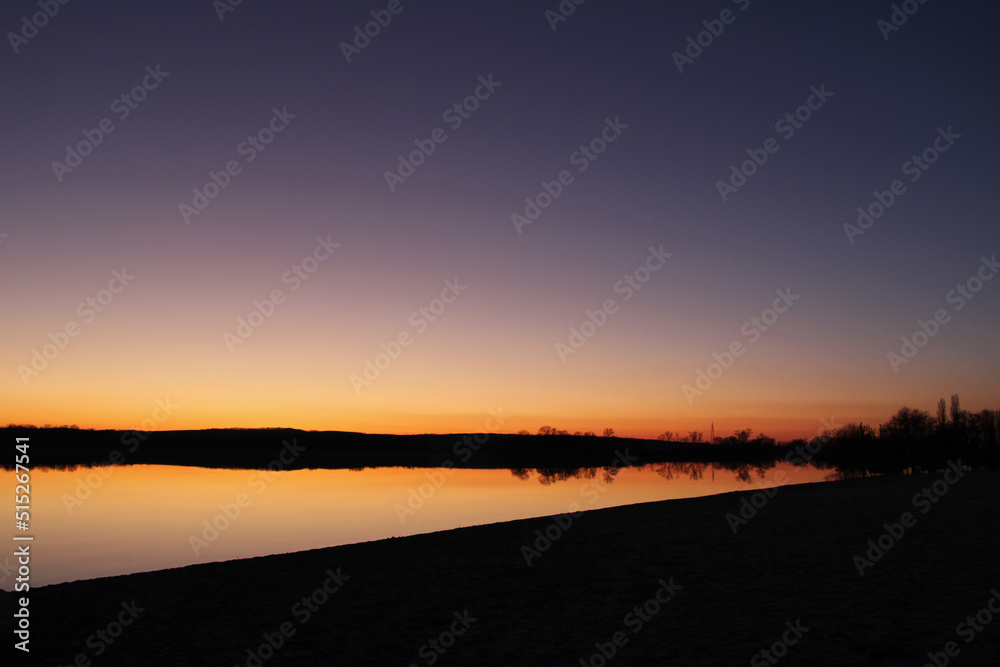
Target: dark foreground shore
(663, 583)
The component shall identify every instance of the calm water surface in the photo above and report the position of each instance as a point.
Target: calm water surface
(97, 522)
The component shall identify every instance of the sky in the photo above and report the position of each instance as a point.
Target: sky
(415, 217)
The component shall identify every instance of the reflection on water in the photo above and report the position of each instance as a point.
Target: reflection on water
(747, 473)
(94, 522)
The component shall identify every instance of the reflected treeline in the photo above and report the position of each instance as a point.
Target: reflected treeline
(693, 470)
(549, 475)
(680, 469)
(669, 470)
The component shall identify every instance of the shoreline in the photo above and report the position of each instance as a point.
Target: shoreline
(735, 593)
(292, 449)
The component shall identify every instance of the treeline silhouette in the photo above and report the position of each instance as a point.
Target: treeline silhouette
(911, 441)
(63, 447)
(914, 440)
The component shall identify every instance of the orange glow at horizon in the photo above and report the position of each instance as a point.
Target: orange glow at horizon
(781, 424)
(305, 413)
(443, 383)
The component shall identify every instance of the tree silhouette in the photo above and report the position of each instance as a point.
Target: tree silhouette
(942, 416)
(959, 423)
(983, 428)
(909, 424)
(764, 440)
(853, 434)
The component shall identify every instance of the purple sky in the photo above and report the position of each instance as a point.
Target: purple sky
(878, 98)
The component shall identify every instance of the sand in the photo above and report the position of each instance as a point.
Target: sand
(786, 582)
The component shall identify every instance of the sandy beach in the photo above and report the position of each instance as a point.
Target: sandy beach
(665, 583)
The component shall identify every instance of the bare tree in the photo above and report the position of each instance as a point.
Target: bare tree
(942, 415)
(853, 433)
(667, 436)
(762, 439)
(983, 426)
(609, 432)
(959, 421)
(909, 423)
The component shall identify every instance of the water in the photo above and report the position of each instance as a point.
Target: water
(97, 522)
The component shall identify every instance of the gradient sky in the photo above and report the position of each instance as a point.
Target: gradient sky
(494, 347)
